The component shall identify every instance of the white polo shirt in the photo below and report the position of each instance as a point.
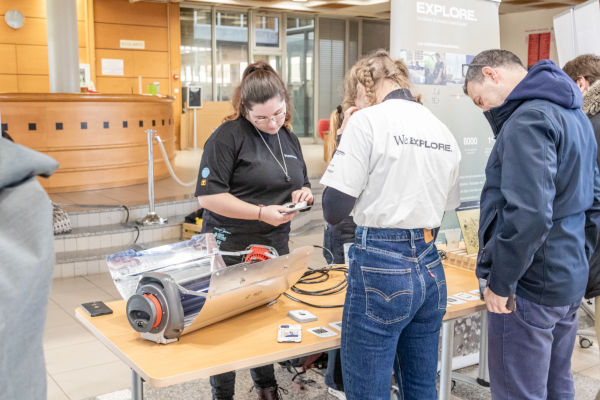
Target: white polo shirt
(400, 162)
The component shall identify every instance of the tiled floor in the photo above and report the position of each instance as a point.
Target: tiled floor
(80, 367)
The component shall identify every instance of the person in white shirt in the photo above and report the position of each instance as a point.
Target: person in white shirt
(397, 168)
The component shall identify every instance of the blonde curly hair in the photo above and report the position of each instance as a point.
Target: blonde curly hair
(378, 66)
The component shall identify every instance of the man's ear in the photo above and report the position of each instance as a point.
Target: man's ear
(490, 73)
(583, 84)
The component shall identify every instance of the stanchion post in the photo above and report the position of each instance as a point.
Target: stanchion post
(195, 131)
(151, 218)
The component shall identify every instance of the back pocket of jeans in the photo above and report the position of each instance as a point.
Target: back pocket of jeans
(436, 270)
(388, 293)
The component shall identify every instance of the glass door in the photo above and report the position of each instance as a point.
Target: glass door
(266, 41)
(300, 40)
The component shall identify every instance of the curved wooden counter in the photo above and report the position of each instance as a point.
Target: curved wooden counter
(99, 140)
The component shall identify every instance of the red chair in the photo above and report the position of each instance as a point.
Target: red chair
(323, 127)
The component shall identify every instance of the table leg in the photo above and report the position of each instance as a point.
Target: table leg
(137, 388)
(483, 376)
(446, 366)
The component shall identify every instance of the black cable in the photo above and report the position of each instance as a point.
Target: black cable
(320, 275)
(137, 228)
(127, 218)
(329, 251)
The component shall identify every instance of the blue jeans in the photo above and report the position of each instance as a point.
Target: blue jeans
(395, 302)
(530, 352)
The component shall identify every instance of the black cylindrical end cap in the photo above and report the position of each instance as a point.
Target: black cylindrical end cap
(141, 313)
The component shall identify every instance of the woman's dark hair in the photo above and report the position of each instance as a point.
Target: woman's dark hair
(259, 84)
(586, 65)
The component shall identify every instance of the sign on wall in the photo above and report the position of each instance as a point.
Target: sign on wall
(437, 39)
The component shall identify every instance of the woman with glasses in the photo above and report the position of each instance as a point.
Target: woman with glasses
(251, 165)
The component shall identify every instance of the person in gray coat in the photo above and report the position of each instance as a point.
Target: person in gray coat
(26, 264)
(585, 71)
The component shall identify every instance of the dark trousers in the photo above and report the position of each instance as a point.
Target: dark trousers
(334, 238)
(530, 352)
(223, 385)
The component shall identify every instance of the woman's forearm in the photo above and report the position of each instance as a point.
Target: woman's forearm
(227, 205)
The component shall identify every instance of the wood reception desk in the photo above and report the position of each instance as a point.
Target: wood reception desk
(99, 140)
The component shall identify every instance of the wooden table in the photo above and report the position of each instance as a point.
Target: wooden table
(249, 339)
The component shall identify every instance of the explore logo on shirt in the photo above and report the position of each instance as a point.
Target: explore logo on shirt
(407, 140)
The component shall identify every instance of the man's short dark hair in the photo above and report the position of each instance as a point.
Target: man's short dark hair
(489, 58)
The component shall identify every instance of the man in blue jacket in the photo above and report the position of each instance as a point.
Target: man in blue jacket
(540, 215)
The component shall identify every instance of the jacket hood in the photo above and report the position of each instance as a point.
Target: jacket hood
(591, 100)
(18, 163)
(544, 81)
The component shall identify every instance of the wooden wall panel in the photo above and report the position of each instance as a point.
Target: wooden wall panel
(208, 118)
(9, 84)
(152, 64)
(8, 55)
(123, 12)
(108, 36)
(136, 63)
(116, 85)
(33, 83)
(33, 60)
(34, 31)
(175, 63)
(34, 8)
(29, 8)
(125, 55)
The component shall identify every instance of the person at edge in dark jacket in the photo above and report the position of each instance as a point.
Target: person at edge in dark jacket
(585, 71)
(540, 215)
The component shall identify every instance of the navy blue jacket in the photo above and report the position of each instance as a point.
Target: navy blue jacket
(540, 205)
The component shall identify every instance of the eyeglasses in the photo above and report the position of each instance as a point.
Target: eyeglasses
(277, 118)
(465, 68)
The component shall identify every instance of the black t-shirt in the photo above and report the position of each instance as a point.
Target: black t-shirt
(236, 161)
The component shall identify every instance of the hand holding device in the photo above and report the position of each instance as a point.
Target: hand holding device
(274, 215)
(293, 207)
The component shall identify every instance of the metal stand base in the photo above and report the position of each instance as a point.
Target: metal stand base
(152, 219)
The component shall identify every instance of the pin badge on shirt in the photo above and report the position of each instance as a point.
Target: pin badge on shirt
(203, 182)
(205, 172)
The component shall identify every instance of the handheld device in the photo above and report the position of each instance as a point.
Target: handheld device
(293, 207)
(96, 308)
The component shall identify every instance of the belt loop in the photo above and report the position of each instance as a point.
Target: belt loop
(364, 237)
(412, 238)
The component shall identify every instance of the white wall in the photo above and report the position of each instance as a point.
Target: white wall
(516, 27)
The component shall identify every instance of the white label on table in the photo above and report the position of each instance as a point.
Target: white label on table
(453, 301)
(336, 325)
(466, 296)
(322, 331)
